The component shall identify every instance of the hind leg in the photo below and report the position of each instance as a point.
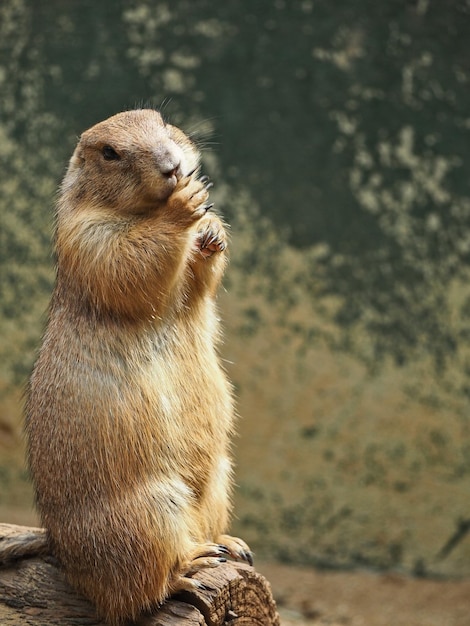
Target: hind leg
(203, 556)
(215, 511)
(236, 548)
(210, 555)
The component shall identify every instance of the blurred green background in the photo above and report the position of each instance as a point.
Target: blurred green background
(337, 134)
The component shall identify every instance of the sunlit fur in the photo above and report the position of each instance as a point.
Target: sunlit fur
(129, 412)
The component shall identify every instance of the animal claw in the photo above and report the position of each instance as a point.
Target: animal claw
(203, 586)
(247, 556)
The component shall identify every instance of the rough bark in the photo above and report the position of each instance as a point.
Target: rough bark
(33, 592)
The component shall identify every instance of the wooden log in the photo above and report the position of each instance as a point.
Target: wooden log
(34, 592)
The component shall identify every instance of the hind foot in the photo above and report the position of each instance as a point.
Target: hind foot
(203, 556)
(236, 548)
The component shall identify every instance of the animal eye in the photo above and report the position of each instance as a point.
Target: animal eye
(110, 154)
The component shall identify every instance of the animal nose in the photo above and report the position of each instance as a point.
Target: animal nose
(168, 158)
(172, 171)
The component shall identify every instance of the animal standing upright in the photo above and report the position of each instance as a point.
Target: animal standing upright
(129, 413)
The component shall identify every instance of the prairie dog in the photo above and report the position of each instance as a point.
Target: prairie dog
(129, 413)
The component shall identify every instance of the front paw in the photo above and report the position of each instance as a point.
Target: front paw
(211, 236)
(188, 202)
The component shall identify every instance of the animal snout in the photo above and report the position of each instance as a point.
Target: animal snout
(174, 171)
(169, 160)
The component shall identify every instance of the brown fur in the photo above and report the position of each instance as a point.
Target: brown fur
(129, 412)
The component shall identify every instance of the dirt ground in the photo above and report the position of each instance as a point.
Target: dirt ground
(307, 597)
